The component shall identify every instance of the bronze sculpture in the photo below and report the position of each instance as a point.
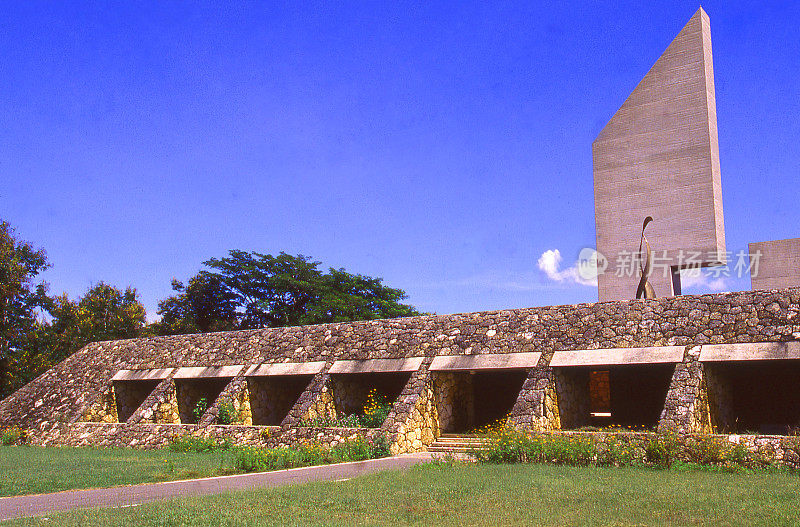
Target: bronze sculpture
(645, 288)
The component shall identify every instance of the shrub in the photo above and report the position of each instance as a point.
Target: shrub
(13, 436)
(705, 450)
(739, 455)
(493, 428)
(379, 446)
(200, 409)
(198, 444)
(351, 450)
(226, 413)
(255, 459)
(375, 410)
(661, 451)
(325, 421)
(512, 446)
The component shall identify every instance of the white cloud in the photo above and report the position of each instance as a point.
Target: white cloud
(702, 280)
(549, 263)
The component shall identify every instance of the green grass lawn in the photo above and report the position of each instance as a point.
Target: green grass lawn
(463, 495)
(33, 470)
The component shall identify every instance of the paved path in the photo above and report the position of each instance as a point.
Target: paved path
(38, 504)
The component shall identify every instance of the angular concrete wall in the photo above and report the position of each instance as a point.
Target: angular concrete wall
(659, 156)
(777, 266)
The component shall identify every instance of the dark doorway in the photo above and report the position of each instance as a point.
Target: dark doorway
(191, 391)
(467, 401)
(129, 396)
(351, 390)
(755, 396)
(614, 396)
(272, 398)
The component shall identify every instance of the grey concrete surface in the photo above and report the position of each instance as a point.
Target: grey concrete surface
(750, 351)
(777, 266)
(617, 356)
(659, 156)
(285, 368)
(376, 365)
(493, 361)
(196, 372)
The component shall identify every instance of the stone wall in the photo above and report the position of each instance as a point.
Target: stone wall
(191, 391)
(413, 421)
(719, 397)
(233, 394)
(105, 410)
(161, 406)
(80, 388)
(149, 435)
(315, 403)
(66, 391)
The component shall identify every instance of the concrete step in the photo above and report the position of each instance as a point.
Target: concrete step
(458, 444)
(466, 443)
(453, 450)
(469, 440)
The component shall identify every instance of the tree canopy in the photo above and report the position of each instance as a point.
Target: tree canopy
(248, 290)
(103, 313)
(201, 306)
(22, 300)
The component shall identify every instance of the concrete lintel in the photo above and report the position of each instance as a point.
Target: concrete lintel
(489, 361)
(285, 368)
(750, 351)
(618, 356)
(376, 365)
(155, 374)
(205, 372)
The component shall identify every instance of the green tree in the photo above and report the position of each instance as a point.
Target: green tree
(254, 290)
(22, 301)
(103, 313)
(344, 296)
(202, 306)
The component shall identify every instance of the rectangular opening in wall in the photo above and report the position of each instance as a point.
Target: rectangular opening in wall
(351, 392)
(196, 394)
(471, 400)
(754, 396)
(626, 396)
(600, 395)
(129, 396)
(272, 397)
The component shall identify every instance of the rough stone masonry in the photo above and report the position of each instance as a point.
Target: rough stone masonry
(435, 365)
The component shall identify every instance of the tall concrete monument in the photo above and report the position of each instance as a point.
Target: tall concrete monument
(775, 264)
(659, 156)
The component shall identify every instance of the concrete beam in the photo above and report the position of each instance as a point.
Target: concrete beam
(489, 361)
(285, 368)
(376, 365)
(750, 351)
(206, 372)
(142, 375)
(617, 356)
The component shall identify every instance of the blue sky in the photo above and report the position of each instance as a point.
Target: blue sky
(442, 146)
